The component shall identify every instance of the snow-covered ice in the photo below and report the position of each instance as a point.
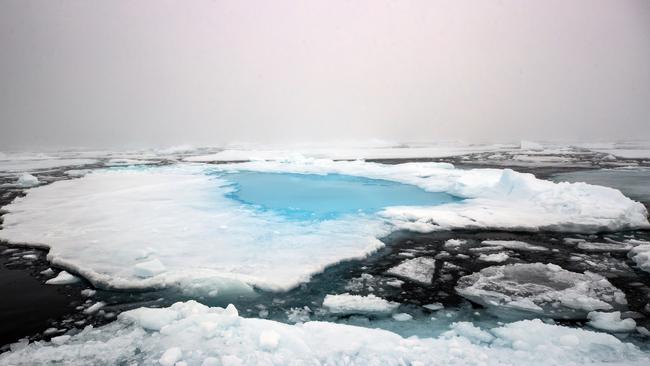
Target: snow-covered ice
(610, 322)
(604, 247)
(419, 270)
(194, 334)
(202, 239)
(540, 289)
(356, 304)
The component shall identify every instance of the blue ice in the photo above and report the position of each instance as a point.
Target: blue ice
(320, 197)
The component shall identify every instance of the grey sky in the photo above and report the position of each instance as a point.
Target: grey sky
(115, 73)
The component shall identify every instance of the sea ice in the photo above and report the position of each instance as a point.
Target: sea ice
(357, 304)
(641, 256)
(27, 180)
(514, 244)
(419, 270)
(610, 322)
(604, 247)
(494, 257)
(207, 240)
(540, 289)
(199, 335)
(63, 278)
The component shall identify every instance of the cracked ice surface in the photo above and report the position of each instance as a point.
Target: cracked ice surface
(177, 225)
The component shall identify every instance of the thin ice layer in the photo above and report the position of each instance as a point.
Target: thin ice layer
(198, 335)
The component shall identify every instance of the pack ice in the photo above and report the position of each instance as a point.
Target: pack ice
(189, 333)
(177, 225)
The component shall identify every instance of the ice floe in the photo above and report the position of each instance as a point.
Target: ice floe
(514, 244)
(610, 322)
(540, 289)
(27, 180)
(419, 270)
(63, 278)
(194, 334)
(344, 304)
(203, 240)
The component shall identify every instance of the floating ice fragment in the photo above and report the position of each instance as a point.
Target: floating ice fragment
(419, 270)
(63, 278)
(641, 256)
(604, 247)
(402, 317)
(357, 304)
(27, 180)
(514, 244)
(495, 257)
(541, 289)
(434, 307)
(94, 308)
(610, 322)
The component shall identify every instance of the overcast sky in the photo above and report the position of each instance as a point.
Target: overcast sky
(116, 73)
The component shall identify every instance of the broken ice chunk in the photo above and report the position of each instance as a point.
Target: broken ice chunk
(419, 270)
(610, 322)
(540, 289)
(356, 304)
(63, 278)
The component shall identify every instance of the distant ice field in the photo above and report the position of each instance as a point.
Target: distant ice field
(206, 229)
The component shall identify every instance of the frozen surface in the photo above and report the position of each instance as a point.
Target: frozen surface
(540, 289)
(184, 225)
(610, 322)
(356, 304)
(419, 269)
(198, 335)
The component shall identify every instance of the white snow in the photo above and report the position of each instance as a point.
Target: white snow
(27, 180)
(514, 244)
(494, 257)
(419, 269)
(149, 268)
(63, 278)
(641, 256)
(357, 304)
(206, 241)
(541, 289)
(199, 335)
(610, 322)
